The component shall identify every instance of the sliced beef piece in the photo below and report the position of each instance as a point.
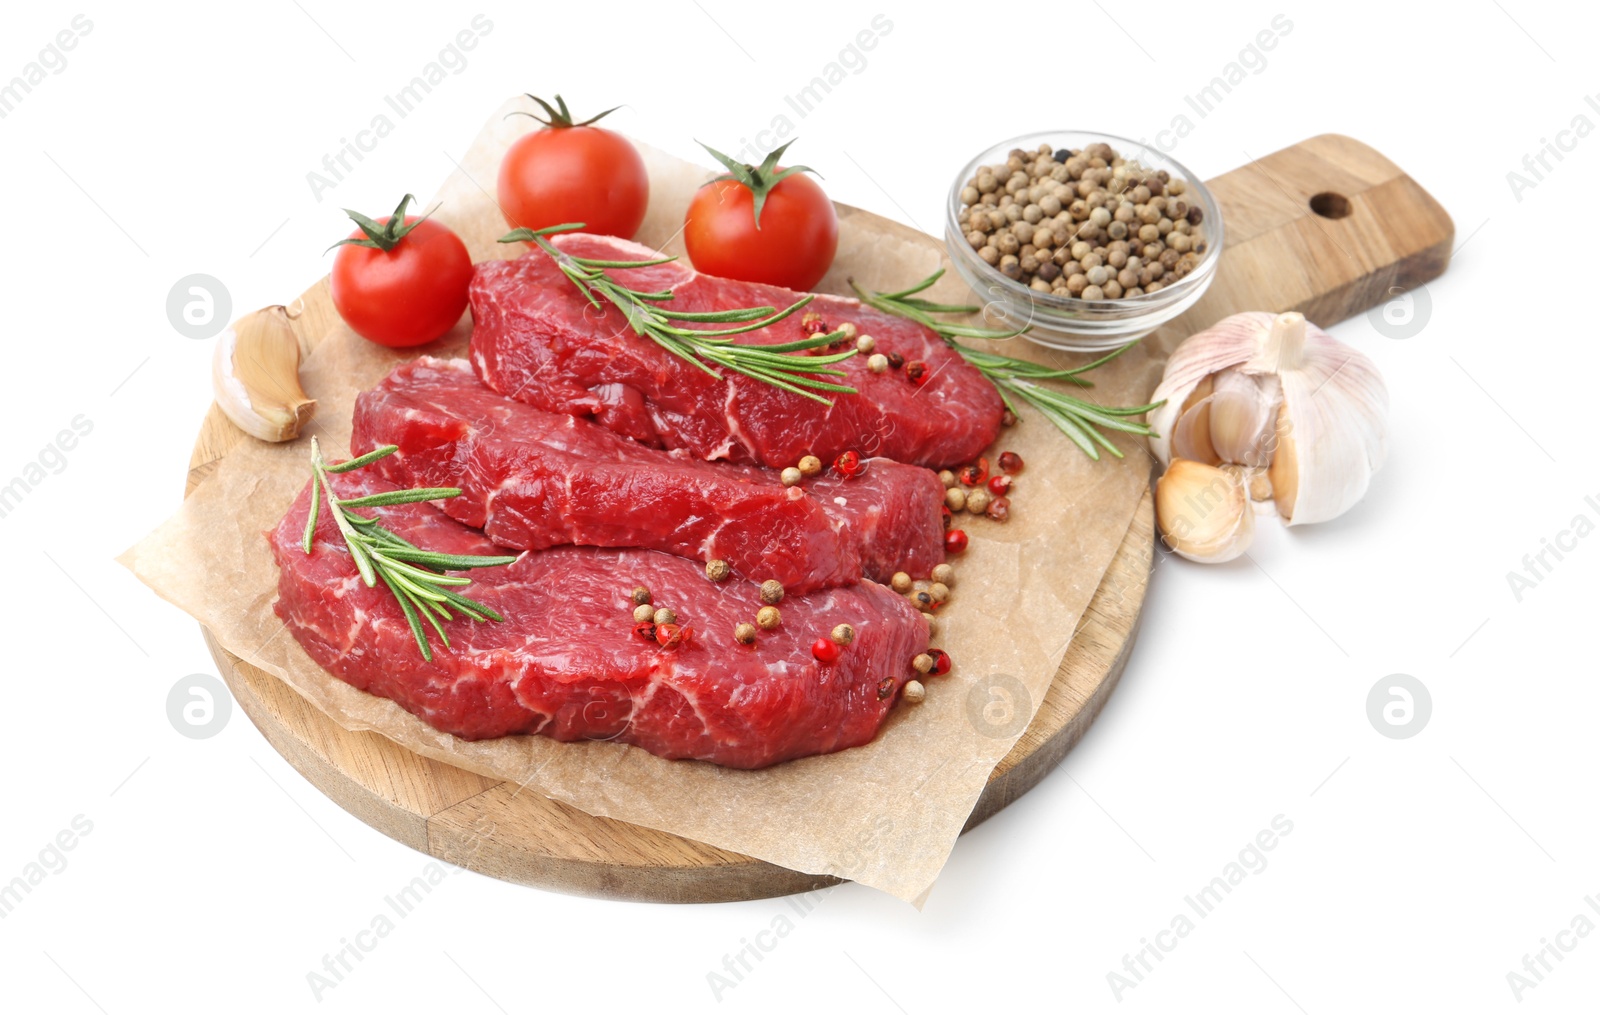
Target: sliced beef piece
(567, 663)
(533, 479)
(537, 339)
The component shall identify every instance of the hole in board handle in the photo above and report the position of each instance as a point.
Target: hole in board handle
(1330, 205)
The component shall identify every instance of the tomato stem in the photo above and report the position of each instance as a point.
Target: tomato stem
(558, 116)
(759, 180)
(387, 235)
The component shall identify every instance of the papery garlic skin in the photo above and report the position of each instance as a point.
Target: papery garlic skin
(1319, 410)
(1204, 512)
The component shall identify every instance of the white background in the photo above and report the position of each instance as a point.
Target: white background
(1419, 872)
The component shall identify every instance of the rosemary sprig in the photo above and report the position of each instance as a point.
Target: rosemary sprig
(1019, 379)
(410, 572)
(777, 365)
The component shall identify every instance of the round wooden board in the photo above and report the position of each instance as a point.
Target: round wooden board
(1281, 255)
(492, 827)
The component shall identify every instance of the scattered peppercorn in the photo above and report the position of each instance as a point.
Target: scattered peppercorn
(718, 570)
(744, 634)
(922, 662)
(1010, 462)
(790, 476)
(768, 618)
(922, 600)
(999, 509)
(955, 499)
(885, 688)
(877, 363)
(914, 692)
(975, 474)
(978, 501)
(772, 592)
(846, 330)
(940, 592)
(826, 650)
(844, 634)
(847, 464)
(866, 344)
(1008, 418)
(999, 485)
(900, 582)
(665, 616)
(955, 541)
(944, 574)
(917, 372)
(945, 508)
(639, 596)
(947, 477)
(896, 361)
(647, 631)
(813, 324)
(941, 661)
(644, 613)
(933, 624)
(810, 465)
(1039, 216)
(670, 635)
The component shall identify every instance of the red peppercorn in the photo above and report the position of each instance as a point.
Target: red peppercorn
(826, 650)
(1010, 462)
(847, 464)
(948, 517)
(955, 541)
(998, 485)
(896, 361)
(813, 324)
(885, 687)
(917, 372)
(999, 509)
(941, 662)
(975, 474)
(645, 630)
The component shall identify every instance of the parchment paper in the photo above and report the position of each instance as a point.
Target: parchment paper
(885, 814)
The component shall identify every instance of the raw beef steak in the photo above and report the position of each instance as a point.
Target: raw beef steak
(567, 663)
(535, 338)
(533, 479)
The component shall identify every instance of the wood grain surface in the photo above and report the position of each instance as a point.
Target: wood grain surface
(1328, 227)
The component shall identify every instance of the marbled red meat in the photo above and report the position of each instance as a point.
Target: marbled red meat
(535, 338)
(533, 479)
(566, 663)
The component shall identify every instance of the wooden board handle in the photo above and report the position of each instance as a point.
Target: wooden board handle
(1328, 227)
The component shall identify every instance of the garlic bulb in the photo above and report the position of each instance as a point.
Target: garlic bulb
(1205, 512)
(255, 374)
(1274, 395)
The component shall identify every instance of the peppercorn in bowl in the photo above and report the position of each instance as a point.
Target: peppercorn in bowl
(1089, 240)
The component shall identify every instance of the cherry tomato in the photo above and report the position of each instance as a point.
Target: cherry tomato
(402, 282)
(764, 224)
(573, 172)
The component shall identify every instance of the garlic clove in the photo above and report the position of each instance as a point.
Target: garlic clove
(1191, 436)
(1256, 482)
(1243, 413)
(1284, 473)
(1228, 343)
(255, 374)
(1203, 512)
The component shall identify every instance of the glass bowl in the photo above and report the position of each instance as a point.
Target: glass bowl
(1064, 322)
